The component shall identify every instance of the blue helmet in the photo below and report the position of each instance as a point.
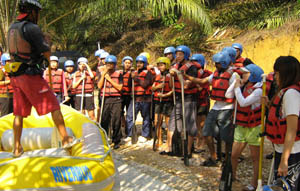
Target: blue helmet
(99, 52)
(231, 52)
(69, 63)
(199, 58)
(142, 58)
(238, 46)
(255, 73)
(126, 58)
(111, 59)
(5, 57)
(186, 50)
(222, 58)
(169, 50)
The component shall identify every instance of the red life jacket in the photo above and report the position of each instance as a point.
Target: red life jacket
(185, 67)
(204, 93)
(88, 83)
(126, 90)
(269, 81)
(109, 89)
(159, 79)
(4, 89)
(69, 80)
(220, 84)
(276, 126)
(245, 116)
(57, 79)
(19, 48)
(239, 62)
(138, 89)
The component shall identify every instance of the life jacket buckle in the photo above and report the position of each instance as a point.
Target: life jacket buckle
(12, 67)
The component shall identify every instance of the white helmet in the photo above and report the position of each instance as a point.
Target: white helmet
(104, 55)
(54, 58)
(82, 59)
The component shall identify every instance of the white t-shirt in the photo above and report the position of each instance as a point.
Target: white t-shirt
(221, 105)
(290, 106)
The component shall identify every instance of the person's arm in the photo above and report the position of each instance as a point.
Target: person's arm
(254, 97)
(89, 71)
(197, 80)
(289, 140)
(64, 82)
(113, 83)
(76, 83)
(230, 91)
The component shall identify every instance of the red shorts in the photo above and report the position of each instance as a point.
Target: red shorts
(32, 90)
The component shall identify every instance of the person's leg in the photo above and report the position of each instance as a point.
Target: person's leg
(18, 127)
(255, 160)
(200, 138)
(237, 149)
(89, 105)
(60, 124)
(226, 130)
(129, 119)
(209, 130)
(145, 111)
(116, 123)
(106, 117)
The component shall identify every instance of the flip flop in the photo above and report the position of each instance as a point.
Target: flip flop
(18, 155)
(72, 143)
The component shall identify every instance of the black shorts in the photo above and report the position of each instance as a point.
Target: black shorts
(88, 103)
(164, 108)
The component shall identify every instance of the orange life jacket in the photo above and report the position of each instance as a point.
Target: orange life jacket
(126, 90)
(220, 84)
(109, 89)
(57, 79)
(239, 62)
(69, 80)
(138, 89)
(204, 93)
(4, 89)
(185, 67)
(88, 83)
(159, 79)
(276, 126)
(245, 116)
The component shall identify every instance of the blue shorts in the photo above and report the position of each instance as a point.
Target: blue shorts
(219, 122)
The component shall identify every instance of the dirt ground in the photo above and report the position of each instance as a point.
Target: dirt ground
(194, 177)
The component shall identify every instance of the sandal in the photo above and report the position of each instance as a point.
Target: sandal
(17, 155)
(209, 163)
(249, 188)
(165, 153)
(72, 143)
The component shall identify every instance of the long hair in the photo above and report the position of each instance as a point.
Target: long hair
(289, 71)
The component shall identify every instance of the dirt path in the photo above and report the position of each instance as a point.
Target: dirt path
(172, 172)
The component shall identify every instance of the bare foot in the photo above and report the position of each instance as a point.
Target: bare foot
(66, 140)
(18, 152)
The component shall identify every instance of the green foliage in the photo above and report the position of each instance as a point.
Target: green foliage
(169, 19)
(256, 14)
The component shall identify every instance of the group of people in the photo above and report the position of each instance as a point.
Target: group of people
(235, 86)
